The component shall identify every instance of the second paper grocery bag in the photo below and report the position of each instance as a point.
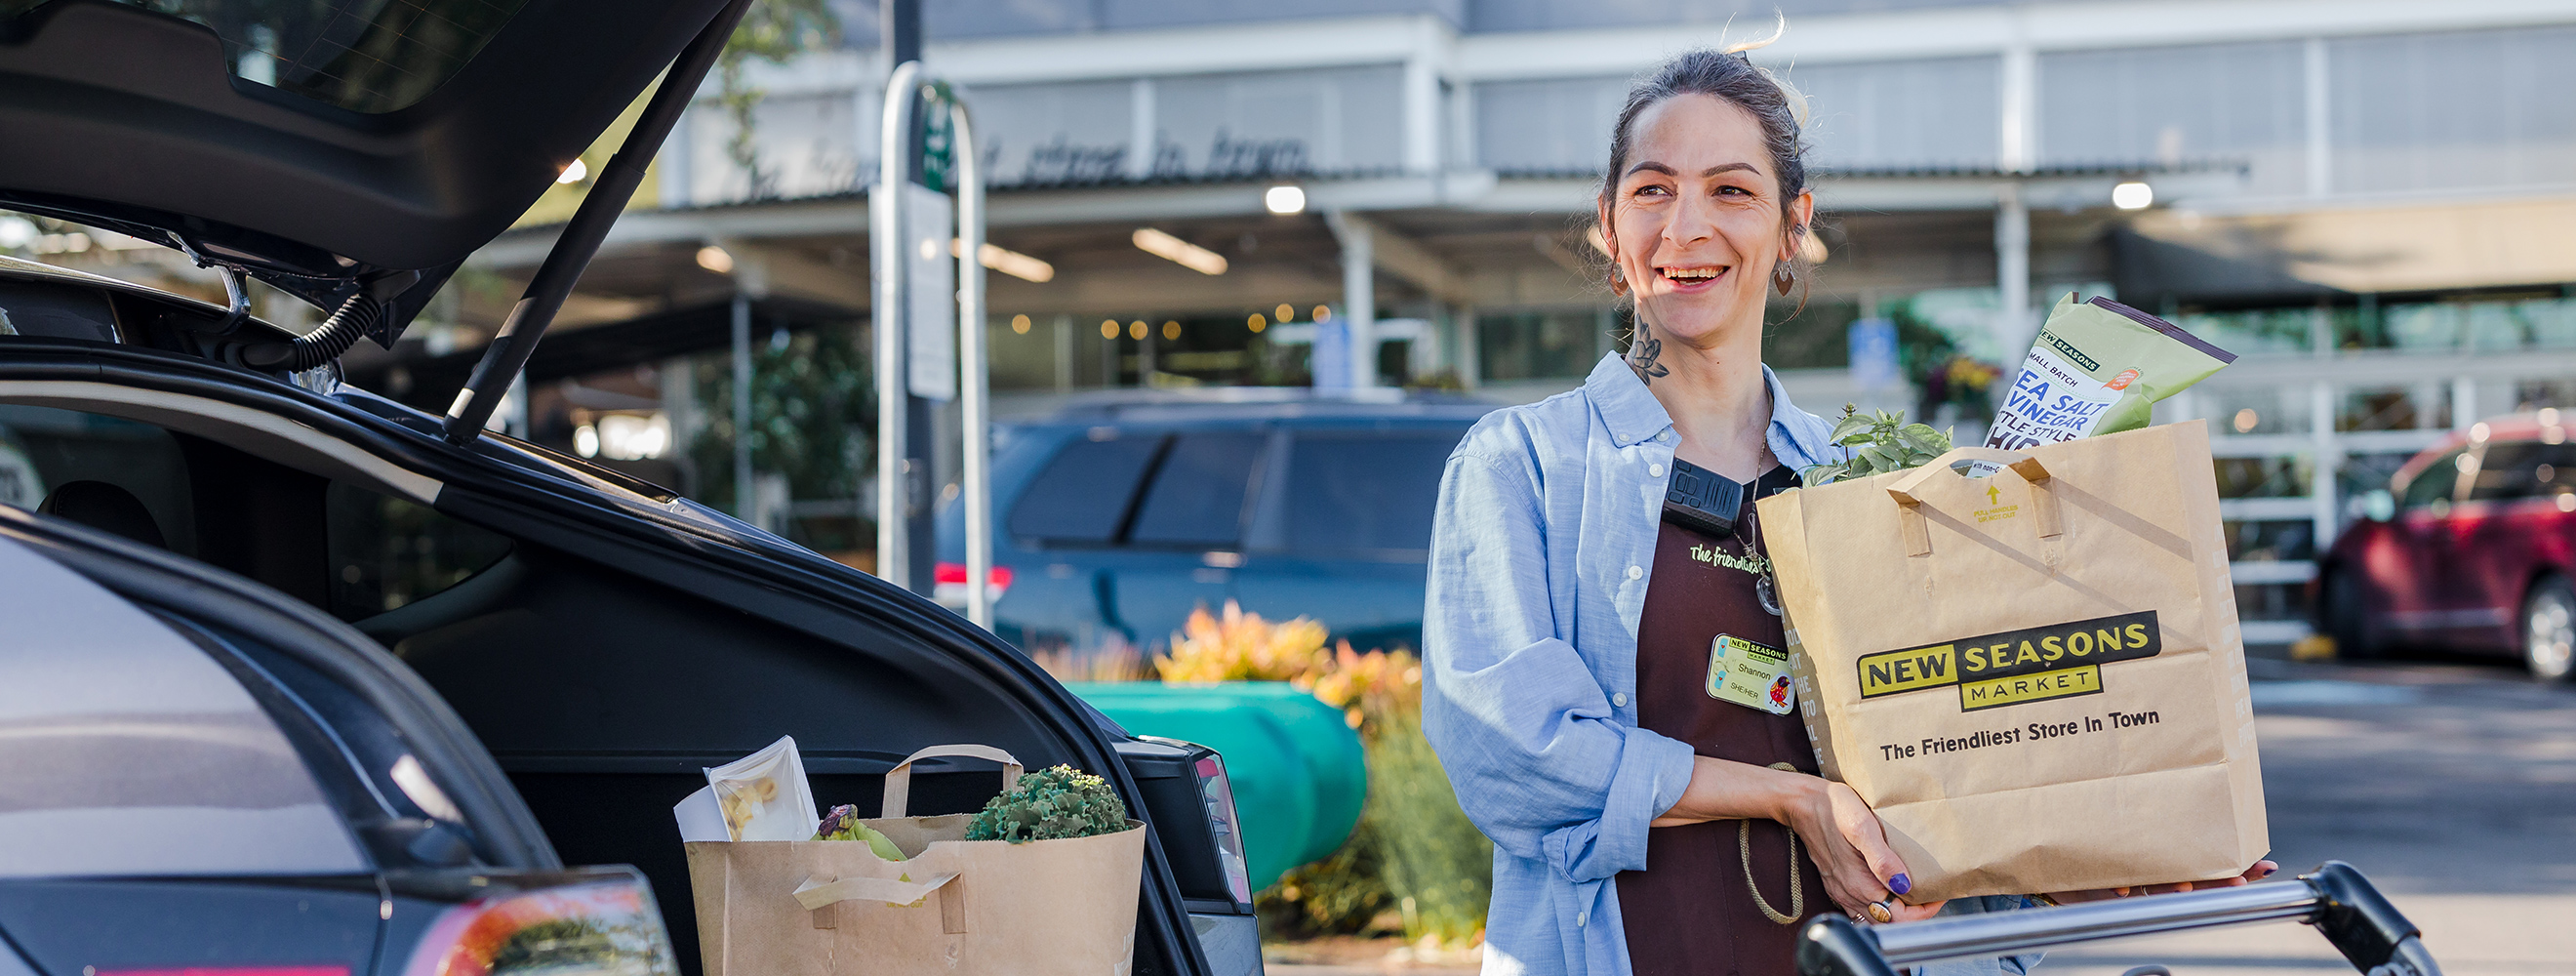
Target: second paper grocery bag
(836, 908)
(2036, 678)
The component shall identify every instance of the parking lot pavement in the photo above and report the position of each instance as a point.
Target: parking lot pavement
(2450, 782)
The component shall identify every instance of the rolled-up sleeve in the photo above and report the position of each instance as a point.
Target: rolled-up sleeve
(1528, 736)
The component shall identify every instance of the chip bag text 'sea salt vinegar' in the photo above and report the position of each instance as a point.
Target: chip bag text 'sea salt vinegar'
(2098, 367)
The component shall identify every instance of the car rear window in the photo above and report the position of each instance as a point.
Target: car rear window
(131, 752)
(1365, 492)
(386, 553)
(362, 55)
(2524, 469)
(1199, 491)
(1083, 495)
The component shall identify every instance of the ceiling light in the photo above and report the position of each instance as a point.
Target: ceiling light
(1284, 312)
(715, 259)
(1020, 324)
(1136, 330)
(573, 173)
(2133, 195)
(1284, 199)
(1256, 323)
(1007, 261)
(1171, 330)
(1179, 251)
(1323, 312)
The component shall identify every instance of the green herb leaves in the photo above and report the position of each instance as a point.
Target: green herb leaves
(1880, 442)
(1055, 803)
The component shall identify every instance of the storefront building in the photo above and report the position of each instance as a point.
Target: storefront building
(2373, 201)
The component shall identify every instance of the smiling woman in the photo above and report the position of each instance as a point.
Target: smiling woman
(1606, 691)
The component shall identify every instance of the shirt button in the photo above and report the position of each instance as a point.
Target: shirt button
(1654, 471)
(1635, 572)
(1580, 918)
(1620, 699)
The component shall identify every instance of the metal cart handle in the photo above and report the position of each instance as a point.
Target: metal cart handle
(2335, 898)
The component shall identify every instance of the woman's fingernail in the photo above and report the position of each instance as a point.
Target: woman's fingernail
(1900, 884)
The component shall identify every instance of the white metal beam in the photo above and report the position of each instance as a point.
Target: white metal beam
(1986, 30)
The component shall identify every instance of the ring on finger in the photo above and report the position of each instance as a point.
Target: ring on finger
(1881, 912)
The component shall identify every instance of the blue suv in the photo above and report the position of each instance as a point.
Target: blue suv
(1116, 518)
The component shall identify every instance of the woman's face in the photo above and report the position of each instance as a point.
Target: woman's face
(1695, 221)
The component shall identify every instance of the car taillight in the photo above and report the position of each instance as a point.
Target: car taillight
(1218, 791)
(948, 583)
(598, 922)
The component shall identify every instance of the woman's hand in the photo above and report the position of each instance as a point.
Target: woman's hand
(1850, 850)
(1841, 834)
(2260, 870)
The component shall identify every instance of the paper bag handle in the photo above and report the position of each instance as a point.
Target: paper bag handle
(898, 781)
(817, 894)
(1918, 536)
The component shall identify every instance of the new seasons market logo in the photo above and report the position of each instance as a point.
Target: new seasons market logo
(2072, 354)
(2016, 667)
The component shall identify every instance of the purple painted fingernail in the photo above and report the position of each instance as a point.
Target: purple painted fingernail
(1900, 884)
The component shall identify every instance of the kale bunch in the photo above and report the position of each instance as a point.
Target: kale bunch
(1879, 442)
(1051, 804)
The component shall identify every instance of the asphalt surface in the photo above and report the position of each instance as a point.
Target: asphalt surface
(2450, 782)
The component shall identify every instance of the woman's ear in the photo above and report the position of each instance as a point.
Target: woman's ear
(1610, 245)
(1801, 222)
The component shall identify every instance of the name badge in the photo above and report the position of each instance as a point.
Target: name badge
(1749, 674)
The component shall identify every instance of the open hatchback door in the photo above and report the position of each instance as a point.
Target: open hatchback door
(349, 152)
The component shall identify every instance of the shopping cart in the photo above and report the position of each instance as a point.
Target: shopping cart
(2335, 898)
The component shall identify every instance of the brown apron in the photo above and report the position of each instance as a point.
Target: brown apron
(1690, 912)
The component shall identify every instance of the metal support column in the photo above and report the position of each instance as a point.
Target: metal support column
(1359, 296)
(745, 501)
(2013, 328)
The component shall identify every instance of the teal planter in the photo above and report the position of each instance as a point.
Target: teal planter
(1299, 775)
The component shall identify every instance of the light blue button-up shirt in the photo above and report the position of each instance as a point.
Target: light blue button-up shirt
(1540, 558)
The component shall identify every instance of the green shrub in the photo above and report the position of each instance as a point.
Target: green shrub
(1436, 865)
(1415, 857)
(1056, 803)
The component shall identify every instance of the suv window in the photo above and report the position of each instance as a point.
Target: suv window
(1084, 494)
(43, 449)
(2435, 482)
(386, 552)
(1199, 491)
(131, 752)
(1365, 492)
(2506, 472)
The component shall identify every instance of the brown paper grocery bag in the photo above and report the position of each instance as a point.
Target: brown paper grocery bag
(833, 908)
(2036, 678)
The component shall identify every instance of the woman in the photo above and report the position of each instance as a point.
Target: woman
(1573, 635)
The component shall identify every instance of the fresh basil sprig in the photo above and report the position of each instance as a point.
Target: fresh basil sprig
(1879, 442)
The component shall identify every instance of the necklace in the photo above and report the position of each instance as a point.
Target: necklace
(1748, 530)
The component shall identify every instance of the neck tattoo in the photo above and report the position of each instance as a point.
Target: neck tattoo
(1643, 351)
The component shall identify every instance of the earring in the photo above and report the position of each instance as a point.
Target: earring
(1784, 276)
(1618, 282)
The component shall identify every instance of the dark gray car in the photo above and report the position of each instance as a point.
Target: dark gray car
(398, 668)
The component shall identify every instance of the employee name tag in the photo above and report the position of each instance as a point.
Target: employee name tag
(1749, 674)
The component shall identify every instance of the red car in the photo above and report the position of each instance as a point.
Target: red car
(2471, 548)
